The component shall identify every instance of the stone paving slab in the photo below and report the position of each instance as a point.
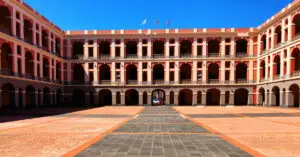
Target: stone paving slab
(175, 128)
(94, 115)
(270, 114)
(213, 115)
(162, 145)
(159, 119)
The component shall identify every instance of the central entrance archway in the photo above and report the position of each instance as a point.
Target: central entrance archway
(105, 97)
(158, 97)
(185, 97)
(131, 97)
(213, 97)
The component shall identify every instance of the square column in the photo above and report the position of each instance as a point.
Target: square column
(167, 100)
(122, 99)
(222, 68)
(167, 72)
(194, 99)
(222, 99)
(114, 98)
(149, 73)
(87, 99)
(122, 73)
(96, 72)
(232, 71)
(141, 99)
(194, 72)
(149, 96)
(17, 102)
(112, 72)
(289, 99)
(203, 98)
(140, 73)
(204, 71)
(176, 47)
(176, 98)
(231, 98)
(204, 47)
(250, 99)
(176, 72)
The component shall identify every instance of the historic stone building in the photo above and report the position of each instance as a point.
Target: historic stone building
(42, 65)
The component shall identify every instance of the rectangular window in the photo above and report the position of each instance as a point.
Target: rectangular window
(144, 51)
(118, 65)
(172, 76)
(172, 51)
(227, 50)
(199, 50)
(227, 64)
(145, 65)
(91, 51)
(172, 65)
(199, 65)
(199, 75)
(91, 65)
(118, 51)
(144, 76)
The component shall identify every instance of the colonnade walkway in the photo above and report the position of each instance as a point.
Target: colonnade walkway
(162, 131)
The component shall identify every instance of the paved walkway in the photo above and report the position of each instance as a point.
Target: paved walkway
(162, 131)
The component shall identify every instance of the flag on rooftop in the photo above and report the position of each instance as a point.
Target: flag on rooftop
(144, 22)
(156, 22)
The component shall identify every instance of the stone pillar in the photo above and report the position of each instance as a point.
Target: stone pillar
(289, 99)
(290, 24)
(69, 72)
(149, 96)
(96, 98)
(222, 99)
(96, 72)
(176, 98)
(14, 22)
(140, 72)
(176, 48)
(194, 72)
(232, 71)
(194, 99)
(22, 25)
(141, 98)
(112, 49)
(271, 67)
(50, 98)
(288, 63)
(149, 73)
(251, 72)
(139, 49)
(222, 68)
(122, 99)
(259, 98)
(272, 99)
(231, 98)
(250, 99)
(114, 98)
(167, 99)
(87, 99)
(176, 72)
(204, 72)
(17, 102)
(266, 103)
(282, 98)
(203, 99)
(122, 51)
(122, 73)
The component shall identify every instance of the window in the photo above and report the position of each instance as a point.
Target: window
(199, 50)
(172, 49)
(227, 50)
(144, 51)
(91, 42)
(172, 41)
(227, 40)
(199, 40)
(91, 51)
(118, 76)
(199, 75)
(91, 65)
(118, 51)
(118, 42)
(144, 41)
(227, 64)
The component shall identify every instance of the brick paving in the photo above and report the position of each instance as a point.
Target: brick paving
(161, 131)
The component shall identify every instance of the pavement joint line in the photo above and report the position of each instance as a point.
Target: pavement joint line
(73, 151)
(160, 133)
(286, 123)
(182, 116)
(228, 139)
(136, 116)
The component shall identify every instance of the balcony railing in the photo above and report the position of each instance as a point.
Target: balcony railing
(213, 81)
(105, 82)
(131, 56)
(213, 54)
(104, 56)
(185, 81)
(158, 81)
(6, 72)
(47, 79)
(158, 56)
(5, 30)
(296, 73)
(241, 54)
(276, 77)
(241, 81)
(185, 55)
(29, 76)
(132, 82)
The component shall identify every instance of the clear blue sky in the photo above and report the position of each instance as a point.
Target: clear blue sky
(129, 14)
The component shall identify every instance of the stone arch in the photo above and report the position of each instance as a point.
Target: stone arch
(185, 48)
(8, 96)
(261, 96)
(213, 97)
(28, 31)
(29, 64)
(5, 19)
(241, 47)
(241, 72)
(104, 73)
(296, 27)
(131, 49)
(185, 97)
(78, 74)
(158, 97)
(277, 35)
(275, 96)
(185, 73)
(241, 97)
(294, 88)
(131, 97)
(78, 98)
(6, 57)
(295, 61)
(105, 97)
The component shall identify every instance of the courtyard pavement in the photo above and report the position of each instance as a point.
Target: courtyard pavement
(154, 131)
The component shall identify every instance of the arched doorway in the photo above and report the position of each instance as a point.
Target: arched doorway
(296, 22)
(213, 72)
(158, 97)
(295, 62)
(105, 97)
(30, 97)
(131, 73)
(276, 96)
(46, 68)
(104, 49)
(241, 97)
(261, 96)
(29, 64)
(241, 47)
(78, 74)
(59, 97)
(185, 73)
(262, 70)
(8, 96)
(185, 97)
(276, 67)
(277, 35)
(104, 74)
(6, 57)
(78, 98)
(28, 31)
(158, 48)
(77, 49)
(185, 48)
(295, 95)
(145, 98)
(158, 74)
(199, 97)
(213, 48)
(213, 97)
(5, 19)
(131, 97)
(46, 97)
(241, 72)
(131, 49)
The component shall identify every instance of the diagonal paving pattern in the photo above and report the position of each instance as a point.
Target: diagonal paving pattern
(162, 131)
